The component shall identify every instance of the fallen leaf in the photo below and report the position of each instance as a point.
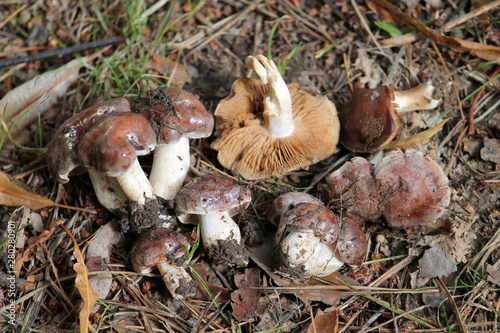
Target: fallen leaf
(178, 74)
(494, 274)
(98, 254)
(435, 263)
(417, 138)
(40, 239)
(211, 280)
(82, 283)
(21, 105)
(325, 322)
(13, 195)
(484, 51)
(245, 300)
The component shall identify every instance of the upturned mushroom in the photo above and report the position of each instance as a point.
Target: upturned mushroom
(369, 121)
(166, 250)
(265, 128)
(213, 199)
(176, 116)
(311, 241)
(414, 189)
(62, 152)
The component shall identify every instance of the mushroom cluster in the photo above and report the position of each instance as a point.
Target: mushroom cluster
(105, 140)
(311, 239)
(264, 128)
(407, 188)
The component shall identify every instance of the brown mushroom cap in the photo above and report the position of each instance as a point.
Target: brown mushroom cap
(414, 189)
(62, 150)
(287, 201)
(210, 194)
(175, 113)
(369, 120)
(246, 148)
(315, 217)
(156, 246)
(112, 145)
(351, 243)
(352, 189)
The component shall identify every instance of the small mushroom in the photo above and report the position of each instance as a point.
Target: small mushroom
(369, 121)
(310, 240)
(176, 115)
(352, 190)
(413, 188)
(62, 152)
(111, 148)
(212, 199)
(266, 128)
(166, 250)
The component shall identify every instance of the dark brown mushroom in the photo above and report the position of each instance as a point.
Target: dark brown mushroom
(176, 115)
(369, 121)
(166, 250)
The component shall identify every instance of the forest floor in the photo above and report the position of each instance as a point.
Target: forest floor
(328, 47)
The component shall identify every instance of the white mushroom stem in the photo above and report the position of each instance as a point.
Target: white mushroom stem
(108, 192)
(418, 98)
(218, 226)
(277, 101)
(135, 185)
(303, 249)
(170, 167)
(174, 277)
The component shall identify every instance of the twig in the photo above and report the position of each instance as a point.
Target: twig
(12, 15)
(446, 292)
(62, 52)
(470, 15)
(473, 105)
(20, 284)
(365, 25)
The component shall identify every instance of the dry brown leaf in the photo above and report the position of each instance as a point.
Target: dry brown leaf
(245, 300)
(325, 322)
(177, 73)
(487, 52)
(82, 283)
(21, 105)
(40, 239)
(13, 195)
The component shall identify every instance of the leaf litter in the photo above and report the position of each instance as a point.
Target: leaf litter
(208, 45)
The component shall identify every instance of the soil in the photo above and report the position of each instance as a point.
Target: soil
(229, 253)
(203, 51)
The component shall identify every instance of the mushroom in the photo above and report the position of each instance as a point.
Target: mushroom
(166, 250)
(111, 148)
(353, 192)
(310, 240)
(176, 115)
(414, 190)
(62, 152)
(266, 128)
(369, 121)
(212, 199)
